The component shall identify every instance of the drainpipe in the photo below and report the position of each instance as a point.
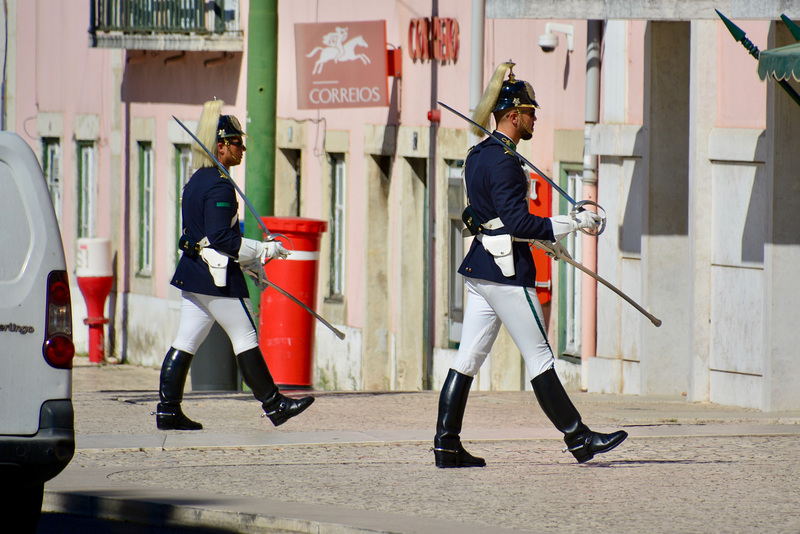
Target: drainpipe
(262, 97)
(589, 243)
(476, 61)
(430, 224)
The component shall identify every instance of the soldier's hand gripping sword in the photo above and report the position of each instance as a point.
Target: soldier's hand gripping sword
(576, 206)
(259, 276)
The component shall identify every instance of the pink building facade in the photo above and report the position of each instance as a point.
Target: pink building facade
(655, 111)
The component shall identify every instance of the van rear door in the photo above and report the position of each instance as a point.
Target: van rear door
(30, 249)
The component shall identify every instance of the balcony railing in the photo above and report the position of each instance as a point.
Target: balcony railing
(166, 24)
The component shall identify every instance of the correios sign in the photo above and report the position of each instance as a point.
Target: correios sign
(433, 39)
(341, 65)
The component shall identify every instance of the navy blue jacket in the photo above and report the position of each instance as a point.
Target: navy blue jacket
(210, 209)
(497, 186)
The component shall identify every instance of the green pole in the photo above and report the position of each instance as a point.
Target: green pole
(262, 70)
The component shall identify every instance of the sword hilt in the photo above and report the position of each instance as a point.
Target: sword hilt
(579, 206)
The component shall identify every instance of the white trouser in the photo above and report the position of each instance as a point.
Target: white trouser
(489, 305)
(198, 313)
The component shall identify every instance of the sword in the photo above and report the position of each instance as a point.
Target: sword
(262, 282)
(557, 251)
(577, 206)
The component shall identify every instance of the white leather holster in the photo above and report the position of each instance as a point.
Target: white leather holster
(216, 261)
(500, 247)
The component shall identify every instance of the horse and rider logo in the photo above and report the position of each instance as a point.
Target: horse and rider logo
(338, 49)
(341, 64)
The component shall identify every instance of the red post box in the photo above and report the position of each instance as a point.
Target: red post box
(286, 330)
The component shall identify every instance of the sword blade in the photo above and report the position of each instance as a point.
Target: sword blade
(222, 169)
(264, 284)
(558, 254)
(525, 161)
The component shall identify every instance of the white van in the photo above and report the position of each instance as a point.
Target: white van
(37, 435)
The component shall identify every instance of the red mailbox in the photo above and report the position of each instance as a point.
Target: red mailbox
(286, 330)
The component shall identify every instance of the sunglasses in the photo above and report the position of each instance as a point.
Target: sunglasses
(237, 142)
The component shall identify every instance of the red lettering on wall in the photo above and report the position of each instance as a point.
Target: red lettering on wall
(433, 39)
(413, 51)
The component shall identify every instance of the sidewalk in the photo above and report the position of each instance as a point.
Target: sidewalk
(360, 462)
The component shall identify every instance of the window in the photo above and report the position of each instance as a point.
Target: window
(570, 287)
(455, 207)
(290, 179)
(51, 165)
(87, 190)
(146, 209)
(183, 164)
(337, 227)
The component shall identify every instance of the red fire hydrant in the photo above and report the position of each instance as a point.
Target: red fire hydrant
(95, 278)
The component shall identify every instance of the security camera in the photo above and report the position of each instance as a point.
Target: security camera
(548, 42)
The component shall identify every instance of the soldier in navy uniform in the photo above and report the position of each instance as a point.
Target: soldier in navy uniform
(500, 277)
(209, 275)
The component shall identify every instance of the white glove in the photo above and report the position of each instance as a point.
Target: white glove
(587, 220)
(564, 224)
(252, 251)
(275, 250)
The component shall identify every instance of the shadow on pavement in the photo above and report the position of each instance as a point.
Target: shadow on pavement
(53, 523)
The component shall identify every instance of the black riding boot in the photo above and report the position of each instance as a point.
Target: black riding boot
(581, 442)
(256, 375)
(169, 415)
(447, 448)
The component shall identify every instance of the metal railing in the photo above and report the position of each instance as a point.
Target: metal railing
(164, 16)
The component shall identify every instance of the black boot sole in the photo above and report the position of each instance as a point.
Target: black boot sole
(448, 463)
(174, 423)
(175, 427)
(447, 459)
(591, 454)
(301, 406)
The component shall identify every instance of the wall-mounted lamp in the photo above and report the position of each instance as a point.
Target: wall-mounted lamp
(548, 41)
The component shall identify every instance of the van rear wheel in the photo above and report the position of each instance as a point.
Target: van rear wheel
(24, 503)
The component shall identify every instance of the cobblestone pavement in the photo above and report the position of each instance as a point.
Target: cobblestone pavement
(361, 462)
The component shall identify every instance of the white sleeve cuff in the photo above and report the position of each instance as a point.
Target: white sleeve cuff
(562, 225)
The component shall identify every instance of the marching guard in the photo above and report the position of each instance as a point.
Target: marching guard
(209, 275)
(500, 277)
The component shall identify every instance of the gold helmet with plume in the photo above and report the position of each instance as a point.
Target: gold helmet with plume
(502, 94)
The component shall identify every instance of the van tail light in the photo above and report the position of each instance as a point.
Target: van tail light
(58, 348)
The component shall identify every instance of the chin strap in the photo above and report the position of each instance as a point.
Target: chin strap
(524, 126)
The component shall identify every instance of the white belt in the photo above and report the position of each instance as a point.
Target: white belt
(494, 224)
